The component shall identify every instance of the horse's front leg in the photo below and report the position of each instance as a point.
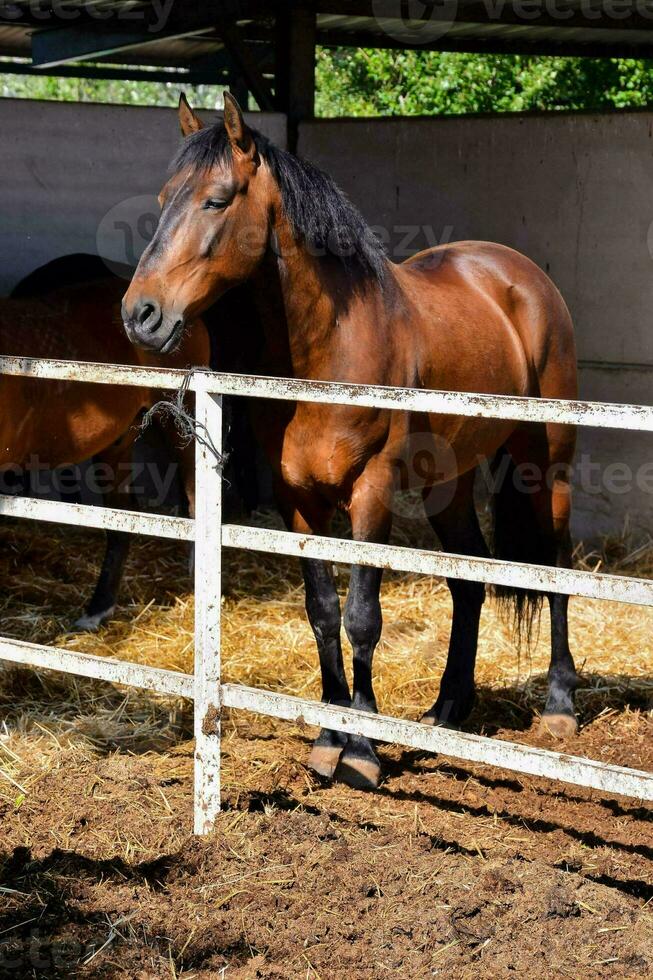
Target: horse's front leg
(371, 521)
(323, 612)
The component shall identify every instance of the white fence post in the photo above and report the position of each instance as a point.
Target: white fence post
(208, 596)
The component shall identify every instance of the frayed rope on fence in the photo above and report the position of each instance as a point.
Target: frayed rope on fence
(186, 425)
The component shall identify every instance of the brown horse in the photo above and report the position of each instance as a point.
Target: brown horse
(470, 316)
(50, 424)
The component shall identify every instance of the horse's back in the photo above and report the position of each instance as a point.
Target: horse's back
(79, 322)
(487, 290)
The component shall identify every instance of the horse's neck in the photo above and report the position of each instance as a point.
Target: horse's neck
(303, 304)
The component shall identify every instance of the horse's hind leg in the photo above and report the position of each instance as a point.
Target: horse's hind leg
(103, 601)
(458, 530)
(559, 717)
(546, 451)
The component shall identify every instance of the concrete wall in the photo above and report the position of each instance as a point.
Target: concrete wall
(84, 178)
(575, 193)
(72, 172)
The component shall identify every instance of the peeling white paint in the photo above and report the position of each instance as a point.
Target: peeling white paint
(475, 405)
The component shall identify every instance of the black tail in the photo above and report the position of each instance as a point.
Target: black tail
(517, 537)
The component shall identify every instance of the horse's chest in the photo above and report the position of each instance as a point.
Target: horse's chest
(320, 449)
(318, 458)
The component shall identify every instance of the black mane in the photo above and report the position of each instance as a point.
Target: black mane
(318, 211)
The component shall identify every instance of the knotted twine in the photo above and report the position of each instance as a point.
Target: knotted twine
(186, 425)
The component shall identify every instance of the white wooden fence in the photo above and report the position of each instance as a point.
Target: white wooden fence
(211, 535)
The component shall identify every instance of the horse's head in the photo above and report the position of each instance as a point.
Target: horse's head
(212, 232)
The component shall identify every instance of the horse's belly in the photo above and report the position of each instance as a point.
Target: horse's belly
(439, 449)
(45, 424)
(475, 441)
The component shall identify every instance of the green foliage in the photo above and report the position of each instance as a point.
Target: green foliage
(371, 82)
(98, 90)
(365, 82)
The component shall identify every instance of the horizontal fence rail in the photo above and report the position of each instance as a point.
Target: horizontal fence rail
(101, 668)
(543, 578)
(458, 745)
(210, 536)
(603, 414)
(592, 585)
(101, 518)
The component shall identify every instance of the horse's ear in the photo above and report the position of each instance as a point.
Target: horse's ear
(188, 120)
(239, 133)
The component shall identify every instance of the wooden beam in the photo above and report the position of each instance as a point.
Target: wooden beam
(246, 64)
(491, 44)
(205, 76)
(66, 44)
(559, 17)
(295, 63)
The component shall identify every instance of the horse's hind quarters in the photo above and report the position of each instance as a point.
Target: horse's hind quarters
(324, 759)
(558, 725)
(149, 326)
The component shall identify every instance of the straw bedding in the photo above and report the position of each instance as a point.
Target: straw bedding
(448, 867)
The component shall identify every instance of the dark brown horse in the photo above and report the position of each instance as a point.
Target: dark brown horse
(50, 424)
(470, 316)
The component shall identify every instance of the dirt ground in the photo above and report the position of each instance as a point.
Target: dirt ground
(449, 869)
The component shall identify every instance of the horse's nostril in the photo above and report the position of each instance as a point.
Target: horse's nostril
(146, 312)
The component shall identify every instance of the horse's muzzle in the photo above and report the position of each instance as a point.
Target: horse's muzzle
(147, 326)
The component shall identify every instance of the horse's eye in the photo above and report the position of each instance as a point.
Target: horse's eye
(213, 204)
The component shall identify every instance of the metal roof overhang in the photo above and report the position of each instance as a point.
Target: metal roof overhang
(88, 36)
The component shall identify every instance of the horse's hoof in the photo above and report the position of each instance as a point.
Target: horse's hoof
(560, 726)
(91, 623)
(435, 722)
(324, 759)
(358, 773)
